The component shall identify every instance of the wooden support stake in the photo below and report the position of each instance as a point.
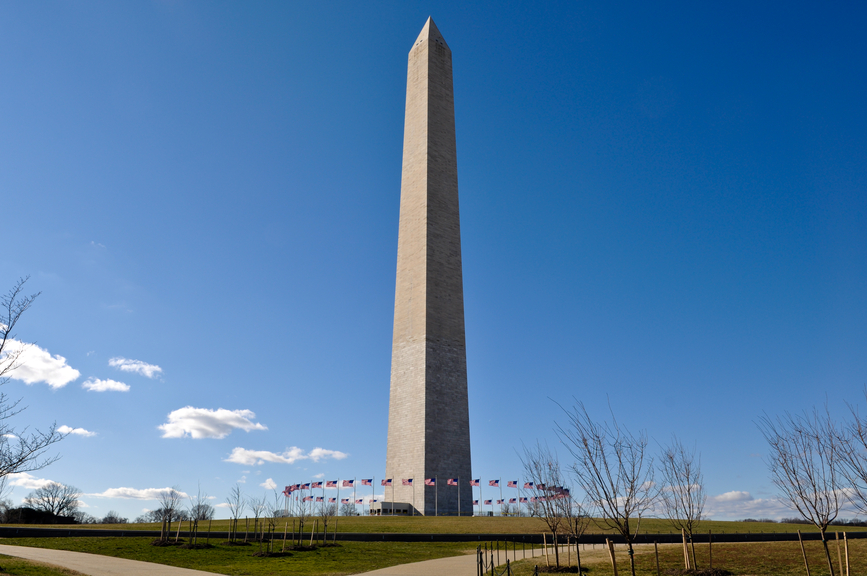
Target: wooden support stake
(610, 545)
(685, 550)
(804, 553)
(710, 548)
(656, 551)
(839, 557)
(846, 547)
(285, 529)
(545, 545)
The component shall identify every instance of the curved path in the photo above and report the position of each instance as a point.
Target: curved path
(96, 564)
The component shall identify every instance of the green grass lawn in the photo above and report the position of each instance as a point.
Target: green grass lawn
(20, 567)
(476, 525)
(344, 558)
(754, 559)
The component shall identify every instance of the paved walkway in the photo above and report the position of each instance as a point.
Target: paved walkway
(96, 564)
(453, 566)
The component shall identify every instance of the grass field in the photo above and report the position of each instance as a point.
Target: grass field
(19, 567)
(480, 525)
(345, 558)
(754, 559)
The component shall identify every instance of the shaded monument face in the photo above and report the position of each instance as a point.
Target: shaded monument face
(428, 419)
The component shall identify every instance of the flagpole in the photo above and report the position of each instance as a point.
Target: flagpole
(436, 496)
(373, 495)
(338, 499)
(412, 481)
(500, 485)
(459, 496)
(392, 496)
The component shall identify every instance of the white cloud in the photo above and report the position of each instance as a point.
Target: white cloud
(77, 431)
(737, 505)
(320, 475)
(221, 505)
(136, 494)
(97, 385)
(290, 456)
(28, 481)
(205, 423)
(136, 366)
(269, 484)
(242, 480)
(36, 364)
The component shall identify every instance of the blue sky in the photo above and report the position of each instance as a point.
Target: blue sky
(663, 208)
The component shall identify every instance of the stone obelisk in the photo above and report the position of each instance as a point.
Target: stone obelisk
(428, 417)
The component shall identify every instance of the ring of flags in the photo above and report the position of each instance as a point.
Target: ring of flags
(550, 492)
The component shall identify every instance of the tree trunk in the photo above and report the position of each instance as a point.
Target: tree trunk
(556, 550)
(827, 552)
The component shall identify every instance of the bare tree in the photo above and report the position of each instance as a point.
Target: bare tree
(327, 510)
(613, 468)
(236, 502)
(683, 496)
(803, 461)
(852, 442)
(112, 517)
(257, 507)
(20, 451)
(542, 469)
(170, 502)
(348, 509)
(56, 498)
(200, 510)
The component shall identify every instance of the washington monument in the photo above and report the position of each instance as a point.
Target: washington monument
(428, 416)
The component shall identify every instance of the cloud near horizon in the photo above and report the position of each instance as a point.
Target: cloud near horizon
(135, 366)
(137, 494)
(205, 423)
(269, 484)
(290, 456)
(97, 385)
(36, 364)
(77, 431)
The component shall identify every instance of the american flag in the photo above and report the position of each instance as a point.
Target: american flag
(316, 485)
(495, 483)
(320, 499)
(386, 482)
(287, 491)
(344, 500)
(512, 484)
(332, 500)
(528, 485)
(360, 501)
(540, 486)
(474, 482)
(512, 501)
(407, 481)
(475, 502)
(499, 501)
(488, 502)
(331, 484)
(452, 482)
(308, 499)
(367, 481)
(533, 499)
(372, 500)
(348, 483)
(522, 500)
(430, 482)
(305, 486)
